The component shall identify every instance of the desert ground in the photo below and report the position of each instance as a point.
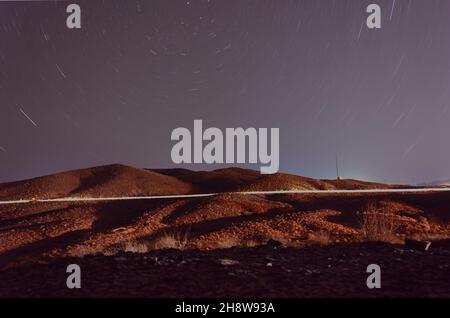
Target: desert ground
(227, 245)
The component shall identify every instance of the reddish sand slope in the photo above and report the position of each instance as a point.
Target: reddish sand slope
(106, 181)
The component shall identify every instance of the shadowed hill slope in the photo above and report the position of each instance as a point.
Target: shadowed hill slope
(105, 181)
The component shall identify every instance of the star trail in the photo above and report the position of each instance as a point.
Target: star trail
(112, 91)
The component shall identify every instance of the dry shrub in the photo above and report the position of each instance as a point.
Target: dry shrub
(176, 240)
(320, 237)
(81, 252)
(229, 242)
(139, 247)
(258, 239)
(250, 243)
(135, 247)
(378, 226)
(111, 250)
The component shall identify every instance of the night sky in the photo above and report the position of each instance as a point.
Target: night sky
(113, 91)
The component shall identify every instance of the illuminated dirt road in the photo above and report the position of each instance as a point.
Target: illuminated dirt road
(187, 196)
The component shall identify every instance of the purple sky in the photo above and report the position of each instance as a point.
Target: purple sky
(113, 91)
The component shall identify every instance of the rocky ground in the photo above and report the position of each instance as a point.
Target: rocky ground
(266, 271)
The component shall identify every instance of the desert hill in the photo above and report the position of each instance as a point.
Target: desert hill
(104, 181)
(39, 231)
(120, 180)
(221, 180)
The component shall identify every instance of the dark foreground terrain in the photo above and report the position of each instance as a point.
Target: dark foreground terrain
(266, 271)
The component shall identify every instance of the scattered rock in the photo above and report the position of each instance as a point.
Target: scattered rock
(228, 262)
(418, 245)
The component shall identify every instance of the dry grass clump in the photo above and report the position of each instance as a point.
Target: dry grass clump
(320, 237)
(250, 241)
(229, 242)
(378, 226)
(135, 247)
(177, 241)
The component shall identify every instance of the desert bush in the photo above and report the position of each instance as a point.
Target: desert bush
(250, 242)
(320, 237)
(128, 246)
(378, 226)
(81, 251)
(176, 240)
(111, 250)
(135, 247)
(229, 242)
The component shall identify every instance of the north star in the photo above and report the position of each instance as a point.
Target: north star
(203, 309)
